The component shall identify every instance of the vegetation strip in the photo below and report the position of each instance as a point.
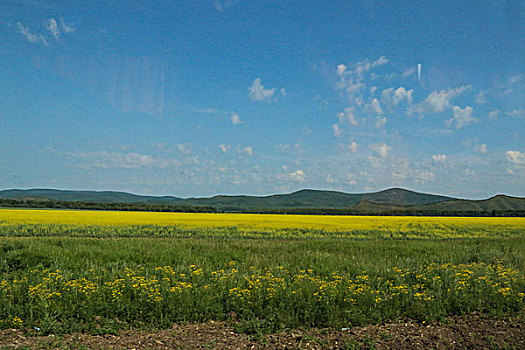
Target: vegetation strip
(107, 273)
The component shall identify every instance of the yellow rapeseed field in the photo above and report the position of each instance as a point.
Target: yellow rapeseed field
(265, 222)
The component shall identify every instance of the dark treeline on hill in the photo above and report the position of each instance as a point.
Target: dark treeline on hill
(401, 211)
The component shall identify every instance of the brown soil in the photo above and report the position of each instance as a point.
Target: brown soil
(465, 332)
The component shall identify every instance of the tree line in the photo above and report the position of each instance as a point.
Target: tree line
(53, 204)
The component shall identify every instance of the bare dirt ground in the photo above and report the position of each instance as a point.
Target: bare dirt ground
(463, 332)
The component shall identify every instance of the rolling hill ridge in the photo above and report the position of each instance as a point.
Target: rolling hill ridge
(396, 200)
(306, 198)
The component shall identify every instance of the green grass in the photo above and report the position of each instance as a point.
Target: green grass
(19, 253)
(279, 300)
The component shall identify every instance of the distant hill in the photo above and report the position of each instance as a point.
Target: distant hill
(394, 200)
(499, 202)
(402, 197)
(301, 199)
(85, 196)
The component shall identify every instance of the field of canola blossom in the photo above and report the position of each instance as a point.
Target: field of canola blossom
(159, 268)
(19, 222)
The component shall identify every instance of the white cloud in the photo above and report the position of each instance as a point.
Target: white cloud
(248, 150)
(422, 176)
(393, 97)
(107, 160)
(259, 93)
(160, 145)
(375, 161)
(437, 102)
(207, 110)
(380, 61)
(381, 149)
(298, 176)
(352, 81)
(235, 119)
(482, 148)
(481, 97)
(439, 158)
(184, 148)
(224, 148)
(32, 38)
(462, 117)
(65, 27)
(516, 158)
(348, 115)
(52, 27)
(283, 91)
(221, 5)
(380, 122)
(375, 106)
(337, 130)
(353, 146)
(517, 113)
(341, 69)
(351, 179)
(362, 67)
(494, 114)
(410, 71)
(282, 147)
(306, 131)
(515, 79)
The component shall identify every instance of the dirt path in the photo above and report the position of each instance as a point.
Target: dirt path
(465, 332)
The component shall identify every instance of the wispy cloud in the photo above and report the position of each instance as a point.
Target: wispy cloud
(185, 148)
(380, 61)
(437, 102)
(32, 38)
(221, 5)
(408, 72)
(380, 122)
(52, 27)
(517, 113)
(481, 97)
(207, 110)
(494, 114)
(65, 27)
(348, 116)
(107, 160)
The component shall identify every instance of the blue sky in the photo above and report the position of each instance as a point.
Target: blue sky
(197, 98)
